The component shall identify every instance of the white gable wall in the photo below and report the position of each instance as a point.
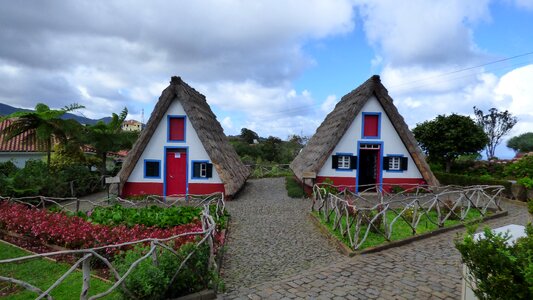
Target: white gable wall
(392, 144)
(156, 149)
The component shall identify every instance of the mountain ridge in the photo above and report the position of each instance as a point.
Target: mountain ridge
(8, 109)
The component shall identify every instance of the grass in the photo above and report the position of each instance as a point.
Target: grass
(294, 189)
(43, 273)
(400, 230)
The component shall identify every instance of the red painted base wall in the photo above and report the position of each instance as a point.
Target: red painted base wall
(388, 183)
(154, 188)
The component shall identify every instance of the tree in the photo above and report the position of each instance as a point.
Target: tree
(521, 143)
(495, 124)
(249, 136)
(42, 126)
(110, 137)
(447, 137)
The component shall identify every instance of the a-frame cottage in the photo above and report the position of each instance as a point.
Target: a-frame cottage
(182, 150)
(364, 141)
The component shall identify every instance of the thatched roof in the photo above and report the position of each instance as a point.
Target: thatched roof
(330, 132)
(223, 156)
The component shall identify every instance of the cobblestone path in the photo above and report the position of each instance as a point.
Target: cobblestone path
(271, 236)
(426, 269)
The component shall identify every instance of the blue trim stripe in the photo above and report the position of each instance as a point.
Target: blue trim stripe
(363, 125)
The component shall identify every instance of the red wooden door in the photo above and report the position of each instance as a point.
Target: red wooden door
(176, 172)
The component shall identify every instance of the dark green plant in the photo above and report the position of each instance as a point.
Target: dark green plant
(8, 168)
(40, 127)
(520, 168)
(526, 182)
(149, 281)
(396, 189)
(499, 270)
(446, 138)
(521, 143)
(294, 189)
(462, 180)
(150, 216)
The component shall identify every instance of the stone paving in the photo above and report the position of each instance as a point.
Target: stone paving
(426, 269)
(270, 236)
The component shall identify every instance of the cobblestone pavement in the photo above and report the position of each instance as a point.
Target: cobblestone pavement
(426, 269)
(271, 236)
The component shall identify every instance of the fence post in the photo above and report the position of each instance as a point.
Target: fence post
(86, 269)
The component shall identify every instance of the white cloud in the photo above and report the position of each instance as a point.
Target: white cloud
(514, 91)
(527, 4)
(423, 32)
(227, 123)
(328, 105)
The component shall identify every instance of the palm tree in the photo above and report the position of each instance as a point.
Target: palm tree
(110, 137)
(42, 126)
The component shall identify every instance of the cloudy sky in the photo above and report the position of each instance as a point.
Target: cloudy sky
(276, 67)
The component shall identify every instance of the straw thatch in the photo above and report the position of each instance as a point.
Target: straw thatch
(223, 156)
(320, 146)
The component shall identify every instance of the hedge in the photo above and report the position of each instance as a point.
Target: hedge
(463, 180)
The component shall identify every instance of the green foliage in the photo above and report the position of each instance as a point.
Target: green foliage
(526, 182)
(149, 281)
(34, 179)
(248, 136)
(110, 137)
(521, 143)
(496, 124)
(479, 168)
(328, 187)
(268, 150)
(499, 270)
(294, 189)
(41, 126)
(447, 137)
(396, 189)
(42, 273)
(8, 168)
(150, 216)
(520, 168)
(464, 180)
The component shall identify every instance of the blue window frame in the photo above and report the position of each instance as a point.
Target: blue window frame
(395, 163)
(172, 133)
(344, 162)
(201, 169)
(378, 129)
(152, 168)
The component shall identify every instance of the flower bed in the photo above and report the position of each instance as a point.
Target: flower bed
(75, 233)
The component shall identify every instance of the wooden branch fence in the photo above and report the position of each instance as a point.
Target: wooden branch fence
(276, 170)
(351, 212)
(87, 255)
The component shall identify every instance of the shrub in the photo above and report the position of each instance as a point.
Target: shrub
(526, 182)
(148, 281)
(8, 168)
(396, 189)
(499, 270)
(463, 180)
(294, 189)
(520, 168)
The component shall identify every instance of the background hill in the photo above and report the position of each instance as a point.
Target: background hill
(7, 109)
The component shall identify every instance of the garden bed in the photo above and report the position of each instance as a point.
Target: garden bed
(174, 228)
(402, 232)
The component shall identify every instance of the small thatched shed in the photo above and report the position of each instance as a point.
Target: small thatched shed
(364, 141)
(182, 150)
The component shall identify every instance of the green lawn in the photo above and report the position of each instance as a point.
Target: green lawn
(43, 273)
(294, 189)
(400, 229)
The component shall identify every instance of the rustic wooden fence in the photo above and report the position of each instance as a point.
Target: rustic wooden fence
(265, 170)
(354, 215)
(87, 255)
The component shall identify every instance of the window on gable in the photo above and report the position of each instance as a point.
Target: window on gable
(202, 170)
(344, 162)
(395, 163)
(371, 125)
(176, 129)
(152, 169)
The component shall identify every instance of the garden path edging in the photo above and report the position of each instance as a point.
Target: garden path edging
(344, 249)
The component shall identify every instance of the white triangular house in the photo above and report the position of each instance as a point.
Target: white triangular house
(364, 142)
(182, 150)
